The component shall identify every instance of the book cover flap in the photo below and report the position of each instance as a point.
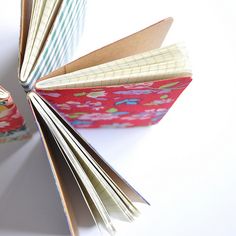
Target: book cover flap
(50, 147)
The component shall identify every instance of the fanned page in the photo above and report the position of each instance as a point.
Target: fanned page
(54, 27)
(12, 124)
(105, 199)
(43, 13)
(157, 64)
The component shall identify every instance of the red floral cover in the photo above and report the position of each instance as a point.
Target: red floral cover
(12, 125)
(125, 105)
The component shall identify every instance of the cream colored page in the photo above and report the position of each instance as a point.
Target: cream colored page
(71, 158)
(36, 14)
(111, 201)
(43, 12)
(114, 205)
(103, 177)
(156, 64)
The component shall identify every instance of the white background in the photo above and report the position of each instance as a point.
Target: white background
(185, 165)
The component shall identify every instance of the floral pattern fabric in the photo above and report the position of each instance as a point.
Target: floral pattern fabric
(125, 105)
(12, 126)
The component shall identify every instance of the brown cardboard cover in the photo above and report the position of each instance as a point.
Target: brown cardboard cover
(57, 170)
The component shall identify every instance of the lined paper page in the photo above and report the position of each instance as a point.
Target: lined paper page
(107, 196)
(112, 202)
(70, 159)
(37, 10)
(57, 48)
(104, 193)
(42, 15)
(157, 64)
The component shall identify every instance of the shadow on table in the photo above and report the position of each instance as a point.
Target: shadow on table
(30, 202)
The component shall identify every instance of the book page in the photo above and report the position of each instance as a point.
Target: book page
(26, 9)
(61, 174)
(144, 40)
(75, 199)
(103, 189)
(157, 64)
(106, 170)
(115, 204)
(73, 163)
(42, 15)
(56, 49)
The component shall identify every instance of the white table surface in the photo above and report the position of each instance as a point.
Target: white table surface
(185, 165)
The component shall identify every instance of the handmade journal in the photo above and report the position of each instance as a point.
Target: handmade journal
(131, 82)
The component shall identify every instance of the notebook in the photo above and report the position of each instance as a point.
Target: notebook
(131, 82)
(12, 124)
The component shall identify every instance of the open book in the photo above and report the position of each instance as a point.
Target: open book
(131, 82)
(12, 124)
